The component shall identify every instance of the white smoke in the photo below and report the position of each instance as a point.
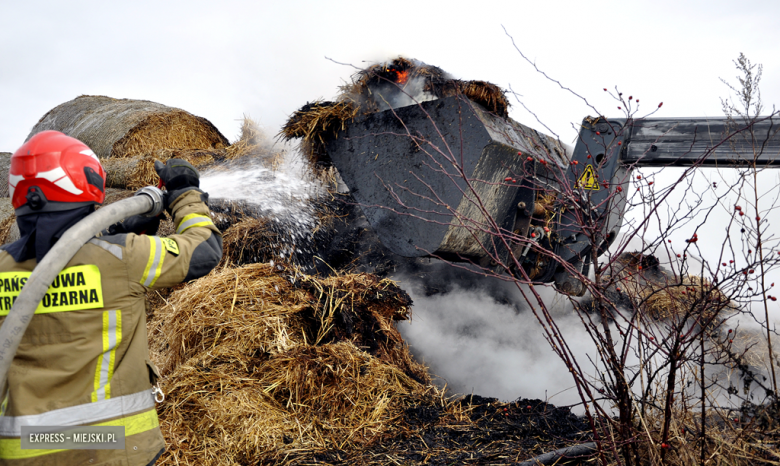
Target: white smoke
(478, 343)
(391, 95)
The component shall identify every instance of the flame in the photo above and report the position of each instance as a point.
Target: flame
(401, 76)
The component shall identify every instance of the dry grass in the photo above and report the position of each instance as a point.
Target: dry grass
(733, 437)
(253, 145)
(259, 362)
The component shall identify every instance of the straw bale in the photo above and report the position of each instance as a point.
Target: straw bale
(130, 128)
(264, 362)
(661, 295)
(5, 166)
(9, 231)
(137, 172)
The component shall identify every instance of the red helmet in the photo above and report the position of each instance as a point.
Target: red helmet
(53, 172)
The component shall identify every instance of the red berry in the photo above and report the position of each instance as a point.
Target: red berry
(630, 97)
(620, 143)
(752, 271)
(618, 108)
(730, 330)
(724, 264)
(741, 214)
(651, 182)
(598, 133)
(530, 159)
(605, 89)
(529, 407)
(659, 105)
(507, 179)
(639, 267)
(678, 255)
(618, 288)
(732, 341)
(731, 262)
(652, 338)
(738, 208)
(575, 163)
(533, 235)
(683, 292)
(758, 218)
(546, 230)
(773, 298)
(588, 155)
(639, 177)
(519, 153)
(620, 190)
(637, 100)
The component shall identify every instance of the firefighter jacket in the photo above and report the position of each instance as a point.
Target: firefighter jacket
(84, 359)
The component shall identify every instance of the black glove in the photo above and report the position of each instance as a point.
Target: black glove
(176, 174)
(137, 224)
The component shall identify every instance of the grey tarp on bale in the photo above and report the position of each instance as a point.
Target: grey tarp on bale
(5, 165)
(108, 125)
(9, 232)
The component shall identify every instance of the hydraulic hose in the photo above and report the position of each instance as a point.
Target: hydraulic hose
(147, 201)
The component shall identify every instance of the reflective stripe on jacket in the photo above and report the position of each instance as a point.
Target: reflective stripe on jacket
(84, 357)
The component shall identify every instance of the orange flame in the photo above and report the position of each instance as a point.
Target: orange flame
(401, 76)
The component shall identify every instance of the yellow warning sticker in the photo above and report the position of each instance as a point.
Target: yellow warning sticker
(171, 246)
(588, 179)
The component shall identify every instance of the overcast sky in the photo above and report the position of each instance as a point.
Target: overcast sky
(221, 60)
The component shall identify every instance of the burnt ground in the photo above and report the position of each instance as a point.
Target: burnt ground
(489, 433)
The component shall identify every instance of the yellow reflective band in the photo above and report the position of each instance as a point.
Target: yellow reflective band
(104, 372)
(155, 262)
(193, 220)
(170, 245)
(74, 289)
(11, 448)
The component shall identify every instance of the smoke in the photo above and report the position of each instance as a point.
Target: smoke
(392, 95)
(478, 336)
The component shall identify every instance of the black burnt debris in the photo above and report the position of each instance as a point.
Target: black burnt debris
(489, 432)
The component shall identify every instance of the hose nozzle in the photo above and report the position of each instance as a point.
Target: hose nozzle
(157, 200)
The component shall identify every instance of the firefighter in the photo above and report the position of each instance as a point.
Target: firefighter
(84, 358)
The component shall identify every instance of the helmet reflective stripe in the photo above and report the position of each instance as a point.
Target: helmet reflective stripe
(13, 180)
(90, 153)
(56, 176)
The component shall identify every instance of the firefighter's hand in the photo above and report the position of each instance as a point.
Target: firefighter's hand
(177, 174)
(137, 224)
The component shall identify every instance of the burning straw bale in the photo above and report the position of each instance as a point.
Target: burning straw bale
(259, 362)
(393, 84)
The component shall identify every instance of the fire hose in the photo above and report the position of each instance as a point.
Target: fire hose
(569, 455)
(147, 201)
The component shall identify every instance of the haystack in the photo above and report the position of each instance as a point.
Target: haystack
(661, 295)
(262, 363)
(376, 88)
(129, 128)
